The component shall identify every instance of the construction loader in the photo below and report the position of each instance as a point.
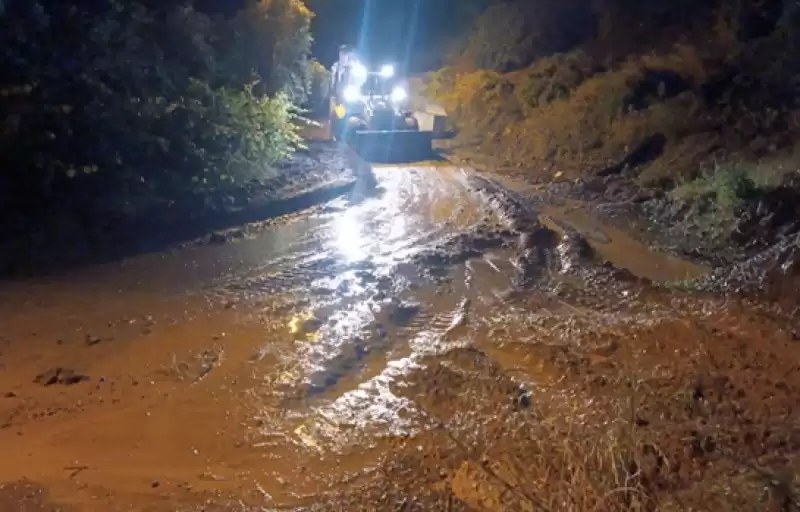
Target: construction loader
(370, 110)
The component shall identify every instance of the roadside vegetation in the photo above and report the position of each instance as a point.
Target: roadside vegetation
(113, 108)
(113, 111)
(698, 98)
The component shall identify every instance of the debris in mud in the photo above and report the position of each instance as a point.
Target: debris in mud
(460, 248)
(460, 319)
(217, 238)
(305, 324)
(197, 367)
(401, 313)
(210, 477)
(481, 490)
(92, 340)
(75, 470)
(228, 236)
(63, 376)
(573, 252)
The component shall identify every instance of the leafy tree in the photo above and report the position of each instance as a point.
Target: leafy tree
(318, 84)
(274, 38)
(106, 104)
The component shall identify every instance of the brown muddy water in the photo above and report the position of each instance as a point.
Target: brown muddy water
(231, 368)
(381, 353)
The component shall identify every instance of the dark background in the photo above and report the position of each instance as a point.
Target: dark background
(383, 30)
(388, 30)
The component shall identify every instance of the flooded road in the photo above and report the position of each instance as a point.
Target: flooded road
(222, 366)
(431, 346)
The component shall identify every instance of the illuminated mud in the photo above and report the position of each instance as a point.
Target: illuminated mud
(385, 353)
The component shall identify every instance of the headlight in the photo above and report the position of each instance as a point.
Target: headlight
(359, 73)
(399, 94)
(387, 71)
(351, 94)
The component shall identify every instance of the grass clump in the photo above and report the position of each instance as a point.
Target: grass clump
(727, 187)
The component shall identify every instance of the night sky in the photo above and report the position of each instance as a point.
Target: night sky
(393, 30)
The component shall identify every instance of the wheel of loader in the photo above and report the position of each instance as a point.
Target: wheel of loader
(411, 123)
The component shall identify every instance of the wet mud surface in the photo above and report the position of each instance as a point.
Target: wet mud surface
(436, 342)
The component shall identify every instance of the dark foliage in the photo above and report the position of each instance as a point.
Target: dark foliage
(111, 106)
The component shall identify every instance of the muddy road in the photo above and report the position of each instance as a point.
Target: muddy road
(437, 343)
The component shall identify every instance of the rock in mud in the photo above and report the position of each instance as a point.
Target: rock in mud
(538, 236)
(92, 340)
(63, 376)
(458, 249)
(402, 313)
(573, 252)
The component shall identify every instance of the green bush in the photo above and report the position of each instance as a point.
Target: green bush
(120, 101)
(727, 186)
(274, 38)
(243, 136)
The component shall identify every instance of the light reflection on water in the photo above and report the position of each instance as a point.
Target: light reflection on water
(379, 226)
(356, 354)
(349, 239)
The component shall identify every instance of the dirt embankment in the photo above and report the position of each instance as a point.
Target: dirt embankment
(689, 132)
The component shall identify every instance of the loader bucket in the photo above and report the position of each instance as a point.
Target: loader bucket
(394, 146)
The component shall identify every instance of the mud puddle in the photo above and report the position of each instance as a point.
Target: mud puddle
(620, 248)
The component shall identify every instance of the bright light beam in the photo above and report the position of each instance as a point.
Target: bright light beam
(387, 71)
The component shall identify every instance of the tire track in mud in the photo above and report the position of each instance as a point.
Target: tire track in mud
(350, 399)
(470, 413)
(369, 309)
(389, 299)
(363, 411)
(403, 334)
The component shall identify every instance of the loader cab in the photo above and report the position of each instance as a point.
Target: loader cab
(385, 85)
(353, 82)
(376, 85)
